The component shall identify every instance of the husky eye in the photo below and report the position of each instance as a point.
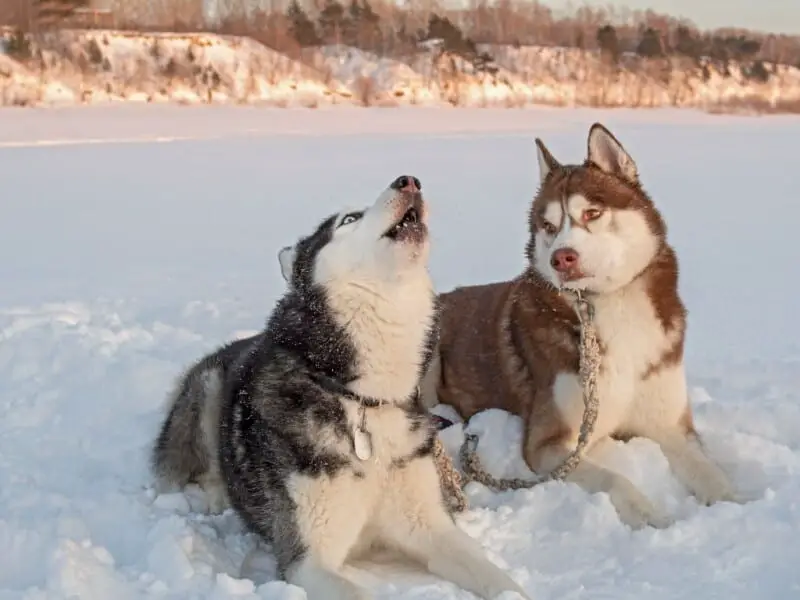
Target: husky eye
(351, 218)
(549, 228)
(591, 214)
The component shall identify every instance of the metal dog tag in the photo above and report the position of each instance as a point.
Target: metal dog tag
(362, 441)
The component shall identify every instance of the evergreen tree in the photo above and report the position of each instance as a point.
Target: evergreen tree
(455, 42)
(718, 49)
(747, 49)
(608, 42)
(650, 44)
(352, 24)
(332, 22)
(453, 39)
(685, 42)
(362, 28)
(301, 26)
(355, 12)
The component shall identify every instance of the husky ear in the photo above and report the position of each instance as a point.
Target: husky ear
(606, 152)
(286, 259)
(546, 161)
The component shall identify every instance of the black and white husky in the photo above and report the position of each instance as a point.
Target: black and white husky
(312, 430)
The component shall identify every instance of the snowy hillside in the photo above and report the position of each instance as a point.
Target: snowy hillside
(97, 67)
(105, 66)
(136, 238)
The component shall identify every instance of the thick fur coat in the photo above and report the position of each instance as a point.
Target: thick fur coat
(513, 345)
(339, 362)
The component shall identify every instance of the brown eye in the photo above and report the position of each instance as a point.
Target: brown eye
(591, 214)
(549, 228)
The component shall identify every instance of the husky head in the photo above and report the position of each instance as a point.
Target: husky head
(384, 242)
(362, 285)
(592, 226)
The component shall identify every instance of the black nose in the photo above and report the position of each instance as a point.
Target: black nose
(406, 183)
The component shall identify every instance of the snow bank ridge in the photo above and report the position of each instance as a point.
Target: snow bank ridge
(99, 66)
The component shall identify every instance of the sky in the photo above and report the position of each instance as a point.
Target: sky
(774, 16)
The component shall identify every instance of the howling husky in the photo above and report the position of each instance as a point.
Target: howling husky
(513, 345)
(315, 426)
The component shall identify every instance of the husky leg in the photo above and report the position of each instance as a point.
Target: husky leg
(330, 514)
(414, 520)
(693, 467)
(633, 507)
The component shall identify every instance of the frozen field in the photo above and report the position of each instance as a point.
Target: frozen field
(135, 238)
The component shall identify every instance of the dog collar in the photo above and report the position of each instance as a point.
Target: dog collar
(337, 387)
(361, 436)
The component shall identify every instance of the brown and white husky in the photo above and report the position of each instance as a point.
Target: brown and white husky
(513, 345)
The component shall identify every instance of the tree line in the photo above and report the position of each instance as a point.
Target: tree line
(389, 29)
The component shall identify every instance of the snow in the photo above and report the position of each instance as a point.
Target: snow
(109, 66)
(136, 238)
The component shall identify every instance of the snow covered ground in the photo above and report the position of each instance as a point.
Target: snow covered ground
(107, 66)
(123, 261)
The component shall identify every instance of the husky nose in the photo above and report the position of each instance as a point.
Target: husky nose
(564, 260)
(406, 183)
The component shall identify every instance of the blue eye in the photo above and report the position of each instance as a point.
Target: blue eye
(351, 218)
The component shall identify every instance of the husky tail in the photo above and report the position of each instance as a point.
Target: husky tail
(187, 446)
(182, 453)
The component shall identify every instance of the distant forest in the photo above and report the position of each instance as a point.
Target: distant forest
(387, 29)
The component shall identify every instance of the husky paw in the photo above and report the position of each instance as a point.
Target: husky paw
(216, 494)
(638, 517)
(217, 500)
(503, 587)
(635, 509)
(716, 490)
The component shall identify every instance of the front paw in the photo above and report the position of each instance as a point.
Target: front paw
(217, 501)
(508, 590)
(639, 515)
(635, 509)
(716, 489)
(216, 494)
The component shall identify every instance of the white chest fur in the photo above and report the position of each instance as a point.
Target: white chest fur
(389, 335)
(633, 339)
(390, 435)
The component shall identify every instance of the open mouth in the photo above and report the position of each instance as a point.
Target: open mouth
(409, 219)
(410, 225)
